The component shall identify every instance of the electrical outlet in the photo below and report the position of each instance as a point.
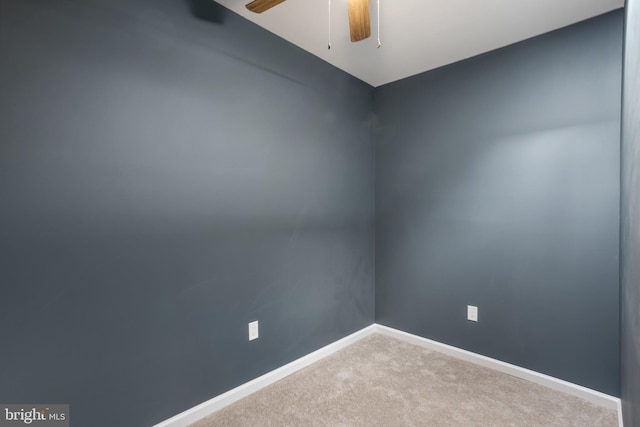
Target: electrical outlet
(253, 330)
(472, 313)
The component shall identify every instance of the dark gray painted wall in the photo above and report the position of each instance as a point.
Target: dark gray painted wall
(630, 217)
(497, 185)
(163, 181)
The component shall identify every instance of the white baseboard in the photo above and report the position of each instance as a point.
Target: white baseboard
(619, 408)
(593, 396)
(210, 406)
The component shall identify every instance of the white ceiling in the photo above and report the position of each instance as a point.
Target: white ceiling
(417, 35)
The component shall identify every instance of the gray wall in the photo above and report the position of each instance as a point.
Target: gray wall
(497, 185)
(164, 180)
(630, 217)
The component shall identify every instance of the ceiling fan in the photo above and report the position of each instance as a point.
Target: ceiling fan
(359, 21)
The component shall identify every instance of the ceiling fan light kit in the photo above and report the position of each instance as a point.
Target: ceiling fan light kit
(359, 19)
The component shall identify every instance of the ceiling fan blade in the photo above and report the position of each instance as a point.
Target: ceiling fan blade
(359, 21)
(259, 6)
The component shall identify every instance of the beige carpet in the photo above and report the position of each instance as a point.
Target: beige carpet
(380, 381)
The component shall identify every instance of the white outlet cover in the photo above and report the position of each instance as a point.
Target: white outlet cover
(472, 313)
(253, 330)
